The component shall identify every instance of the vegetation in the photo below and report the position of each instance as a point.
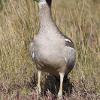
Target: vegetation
(79, 19)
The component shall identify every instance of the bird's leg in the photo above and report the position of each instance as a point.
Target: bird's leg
(38, 84)
(61, 85)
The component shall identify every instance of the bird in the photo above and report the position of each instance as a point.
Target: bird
(51, 50)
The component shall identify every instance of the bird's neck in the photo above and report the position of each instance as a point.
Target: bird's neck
(45, 16)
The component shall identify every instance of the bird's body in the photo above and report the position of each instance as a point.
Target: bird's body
(51, 50)
(52, 54)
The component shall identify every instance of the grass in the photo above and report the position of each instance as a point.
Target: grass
(80, 20)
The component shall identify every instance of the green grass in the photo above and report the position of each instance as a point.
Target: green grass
(80, 20)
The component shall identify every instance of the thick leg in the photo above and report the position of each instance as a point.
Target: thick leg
(61, 84)
(38, 84)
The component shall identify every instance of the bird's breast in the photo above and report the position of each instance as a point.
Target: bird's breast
(49, 49)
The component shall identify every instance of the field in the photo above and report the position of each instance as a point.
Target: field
(78, 19)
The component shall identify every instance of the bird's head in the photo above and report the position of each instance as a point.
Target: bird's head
(48, 1)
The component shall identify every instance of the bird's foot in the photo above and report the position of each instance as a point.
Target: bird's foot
(38, 90)
(60, 97)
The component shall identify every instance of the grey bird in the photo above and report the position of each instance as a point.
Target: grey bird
(52, 51)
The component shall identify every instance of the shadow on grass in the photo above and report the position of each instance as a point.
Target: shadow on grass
(52, 84)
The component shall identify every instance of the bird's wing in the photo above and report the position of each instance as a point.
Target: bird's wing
(70, 53)
(31, 49)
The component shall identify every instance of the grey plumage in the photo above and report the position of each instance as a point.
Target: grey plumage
(51, 50)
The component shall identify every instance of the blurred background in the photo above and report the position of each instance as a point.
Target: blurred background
(78, 19)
